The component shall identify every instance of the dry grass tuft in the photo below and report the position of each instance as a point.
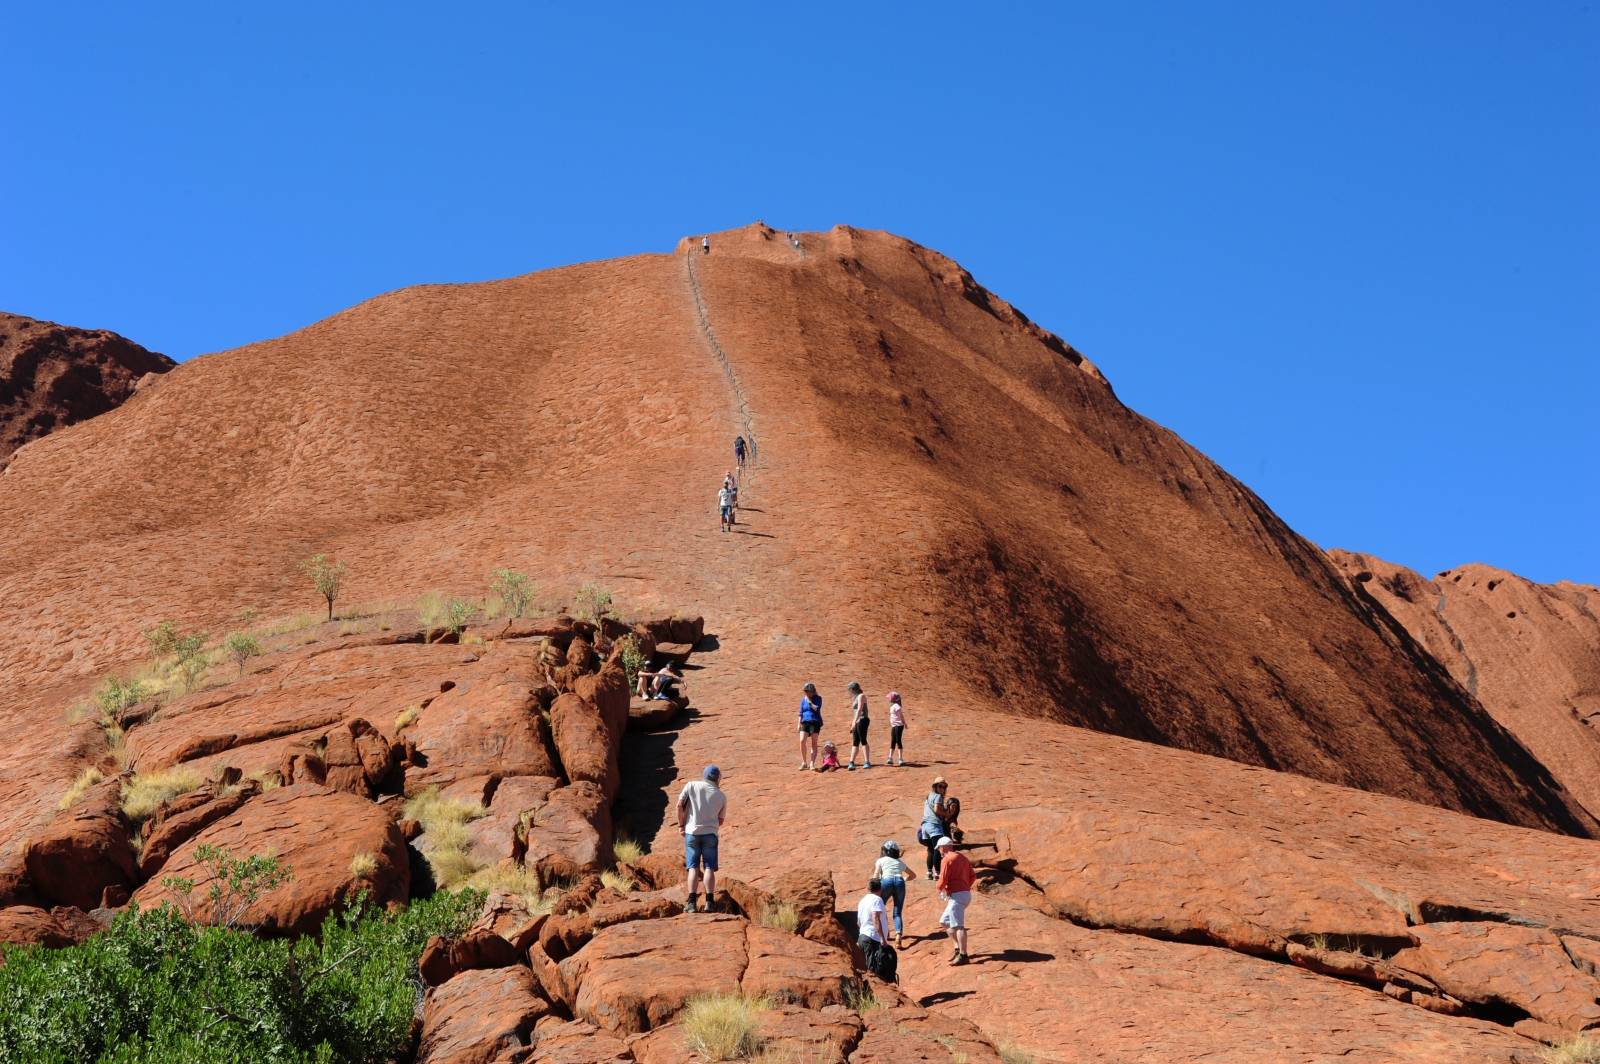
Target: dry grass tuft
(363, 865)
(861, 998)
(780, 917)
(80, 787)
(626, 851)
(620, 882)
(444, 829)
(1579, 1050)
(143, 795)
(1011, 1053)
(517, 880)
(406, 717)
(723, 1026)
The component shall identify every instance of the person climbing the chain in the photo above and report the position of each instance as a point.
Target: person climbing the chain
(705, 245)
(739, 451)
(725, 504)
(731, 482)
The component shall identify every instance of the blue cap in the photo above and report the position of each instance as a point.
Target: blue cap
(712, 772)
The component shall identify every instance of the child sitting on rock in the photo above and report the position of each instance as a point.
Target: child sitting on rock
(830, 757)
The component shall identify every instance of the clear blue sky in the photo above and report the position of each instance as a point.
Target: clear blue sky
(1347, 249)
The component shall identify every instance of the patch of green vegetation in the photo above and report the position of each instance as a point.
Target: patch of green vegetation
(157, 988)
(327, 576)
(515, 591)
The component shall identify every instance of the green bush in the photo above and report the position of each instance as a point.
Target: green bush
(633, 658)
(327, 576)
(515, 591)
(241, 647)
(592, 603)
(154, 988)
(116, 696)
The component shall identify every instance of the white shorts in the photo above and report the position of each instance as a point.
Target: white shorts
(955, 910)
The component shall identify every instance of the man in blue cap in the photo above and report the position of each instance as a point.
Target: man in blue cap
(702, 807)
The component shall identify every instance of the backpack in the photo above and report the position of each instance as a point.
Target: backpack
(886, 964)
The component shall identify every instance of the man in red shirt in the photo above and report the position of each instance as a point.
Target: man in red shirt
(956, 878)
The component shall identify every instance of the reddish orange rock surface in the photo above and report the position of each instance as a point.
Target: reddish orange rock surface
(1529, 652)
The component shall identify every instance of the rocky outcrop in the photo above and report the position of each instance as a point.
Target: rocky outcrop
(489, 723)
(52, 376)
(29, 925)
(85, 851)
(1530, 653)
(479, 1016)
(324, 837)
(570, 834)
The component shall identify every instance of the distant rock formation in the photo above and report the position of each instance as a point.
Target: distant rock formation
(52, 376)
(1529, 652)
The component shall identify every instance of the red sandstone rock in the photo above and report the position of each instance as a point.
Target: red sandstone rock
(52, 376)
(1530, 653)
(791, 970)
(1503, 964)
(495, 836)
(635, 976)
(445, 957)
(178, 821)
(576, 1042)
(562, 936)
(29, 925)
(318, 834)
(908, 1033)
(358, 757)
(489, 723)
(570, 834)
(479, 1015)
(84, 850)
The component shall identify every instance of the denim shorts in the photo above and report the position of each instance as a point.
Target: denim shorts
(700, 851)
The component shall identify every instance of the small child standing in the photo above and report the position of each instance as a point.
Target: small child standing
(897, 729)
(830, 757)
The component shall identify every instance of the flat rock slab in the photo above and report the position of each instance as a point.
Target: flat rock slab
(1134, 998)
(652, 714)
(1493, 964)
(480, 1015)
(317, 833)
(308, 690)
(576, 1042)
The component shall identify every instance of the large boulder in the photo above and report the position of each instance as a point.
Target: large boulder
(83, 851)
(563, 935)
(446, 956)
(812, 895)
(570, 834)
(333, 844)
(497, 835)
(358, 757)
(585, 742)
(906, 1033)
(786, 1032)
(480, 1016)
(574, 1042)
(187, 815)
(635, 976)
(489, 723)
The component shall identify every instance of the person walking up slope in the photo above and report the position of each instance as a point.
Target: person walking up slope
(872, 928)
(725, 504)
(859, 723)
(893, 873)
(897, 729)
(702, 807)
(956, 878)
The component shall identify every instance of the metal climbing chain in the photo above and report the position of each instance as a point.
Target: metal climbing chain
(745, 421)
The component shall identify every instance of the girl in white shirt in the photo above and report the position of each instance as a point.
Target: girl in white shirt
(897, 729)
(893, 873)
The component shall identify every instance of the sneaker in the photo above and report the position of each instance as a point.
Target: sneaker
(959, 958)
(851, 766)
(711, 906)
(692, 907)
(867, 765)
(953, 955)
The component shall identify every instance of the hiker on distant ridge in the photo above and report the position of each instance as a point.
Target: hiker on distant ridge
(897, 729)
(702, 807)
(731, 482)
(705, 245)
(738, 451)
(725, 504)
(810, 725)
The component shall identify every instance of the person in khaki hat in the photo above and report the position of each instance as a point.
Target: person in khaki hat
(934, 825)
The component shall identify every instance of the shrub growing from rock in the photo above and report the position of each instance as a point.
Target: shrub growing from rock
(241, 647)
(327, 576)
(157, 988)
(592, 603)
(515, 591)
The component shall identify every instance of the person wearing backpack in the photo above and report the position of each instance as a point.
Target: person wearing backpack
(872, 932)
(810, 725)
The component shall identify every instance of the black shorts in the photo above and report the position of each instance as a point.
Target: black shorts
(858, 734)
(810, 727)
(895, 732)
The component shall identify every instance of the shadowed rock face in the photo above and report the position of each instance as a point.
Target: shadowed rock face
(52, 376)
(1530, 653)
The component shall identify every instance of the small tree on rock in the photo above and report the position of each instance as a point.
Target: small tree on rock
(514, 589)
(241, 647)
(327, 575)
(235, 884)
(592, 603)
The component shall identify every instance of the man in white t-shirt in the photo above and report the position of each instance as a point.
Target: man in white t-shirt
(872, 923)
(725, 504)
(702, 807)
